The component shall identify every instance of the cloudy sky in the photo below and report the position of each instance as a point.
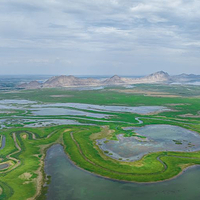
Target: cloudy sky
(101, 37)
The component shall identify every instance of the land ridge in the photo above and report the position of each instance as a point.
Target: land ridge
(72, 81)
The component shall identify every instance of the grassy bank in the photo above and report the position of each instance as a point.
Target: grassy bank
(25, 147)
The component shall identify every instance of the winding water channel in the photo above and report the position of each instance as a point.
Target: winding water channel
(3, 142)
(70, 182)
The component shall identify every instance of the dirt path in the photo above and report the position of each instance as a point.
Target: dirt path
(39, 181)
(9, 156)
(48, 136)
(33, 135)
(1, 140)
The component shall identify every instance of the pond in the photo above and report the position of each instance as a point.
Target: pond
(66, 108)
(102, 108)
(65, 111)
(3, 142)
(152, 138)
(50, 122)
(16, 101)
(4, 166)
(70, 182)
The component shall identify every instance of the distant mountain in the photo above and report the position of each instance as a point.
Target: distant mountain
(31, 85)
(71, 81)
(67, 81)
(114, 80)
(185, 78)
(158, 77)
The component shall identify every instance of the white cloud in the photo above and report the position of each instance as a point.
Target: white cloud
(82, 30)
(141, 7)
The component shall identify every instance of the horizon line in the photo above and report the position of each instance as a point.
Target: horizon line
(93, 74)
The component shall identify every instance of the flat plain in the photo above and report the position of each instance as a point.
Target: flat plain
(85, 122)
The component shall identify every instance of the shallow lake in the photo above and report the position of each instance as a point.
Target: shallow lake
(15, 104)
(70, 182)
(102, 108)
(4, 166)
(16, 101)
(50, 122)
(155, 138)
(64, 108)
(65, 111)
(89, 88)
(3, 142)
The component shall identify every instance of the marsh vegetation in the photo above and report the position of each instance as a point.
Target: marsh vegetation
(99, 131)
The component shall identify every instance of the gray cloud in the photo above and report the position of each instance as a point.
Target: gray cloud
(99, 36)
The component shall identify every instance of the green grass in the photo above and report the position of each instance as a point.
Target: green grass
(80, 144)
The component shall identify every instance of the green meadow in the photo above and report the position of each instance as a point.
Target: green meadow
(25, 147)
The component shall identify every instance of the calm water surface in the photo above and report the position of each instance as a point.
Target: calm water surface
(103, 108)
(3, 142)
(157, 138)
(71, 183)
(3, 166)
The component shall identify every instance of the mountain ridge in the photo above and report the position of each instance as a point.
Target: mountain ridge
(72, 81)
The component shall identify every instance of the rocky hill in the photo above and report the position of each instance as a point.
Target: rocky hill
(31, 85)
(185, 78)
(157, 77)
(71, 81)
(114, 80)
(67, 81)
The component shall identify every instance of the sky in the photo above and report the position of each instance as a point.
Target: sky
(99, 37)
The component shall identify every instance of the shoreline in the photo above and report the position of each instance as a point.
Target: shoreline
(123, 181)
(41, 180)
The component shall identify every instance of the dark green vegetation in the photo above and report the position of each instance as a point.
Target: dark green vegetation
(25, 147)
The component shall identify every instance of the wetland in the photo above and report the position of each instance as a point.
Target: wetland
(70, 182)
(151, 138)
(101, 144)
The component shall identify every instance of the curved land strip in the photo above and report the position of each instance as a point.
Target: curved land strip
(81, 147)
(110, 170)
(33, 135)
(19, 150)
(128, 172)
(82, 150)
(1, 139)
(10, 157)
(29, 162)
(158, 158)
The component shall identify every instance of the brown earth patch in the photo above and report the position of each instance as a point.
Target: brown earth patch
(190, 115)
(183, 166)
(177, 104)
(61, 96)
(147, 93)
(105, 133)
(24, 136)
(138, 163)
(26, 176)
(66, 130)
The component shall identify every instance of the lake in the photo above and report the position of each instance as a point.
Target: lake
(70, 182)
